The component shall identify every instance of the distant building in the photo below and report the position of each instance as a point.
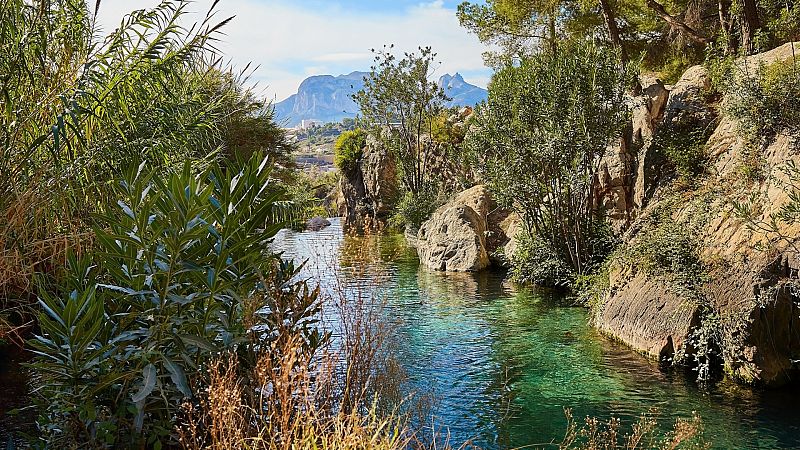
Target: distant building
(309, 123)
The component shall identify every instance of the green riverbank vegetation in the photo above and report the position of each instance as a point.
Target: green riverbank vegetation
(148, 181)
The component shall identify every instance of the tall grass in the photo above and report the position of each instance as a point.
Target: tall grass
(78, 110)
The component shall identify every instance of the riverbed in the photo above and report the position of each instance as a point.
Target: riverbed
(502, 363)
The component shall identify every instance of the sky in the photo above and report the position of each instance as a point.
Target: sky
(291, 40)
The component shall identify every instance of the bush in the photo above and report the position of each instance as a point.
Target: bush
(539, 138)
(349, 148)
(535, 262)
(683, 143)
(767, 102)
(415, 208)
(311, 195)
(182, 271)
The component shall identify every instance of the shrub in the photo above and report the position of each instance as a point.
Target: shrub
(766, 102)
(683, 144)
(535, 262)
(182, 271)
(539, 138)
(415, 208)
(348, 149)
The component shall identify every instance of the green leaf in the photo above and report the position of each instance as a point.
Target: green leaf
(149, 375)
(178, 376)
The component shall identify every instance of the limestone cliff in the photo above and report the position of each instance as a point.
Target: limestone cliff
(745, 290)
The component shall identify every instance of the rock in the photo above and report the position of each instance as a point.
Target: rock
(512, 228)
(646, 315)
(454, 238)
(317, 223)
(369, 190)
(688, 97)
(752, 292)
(628, 171)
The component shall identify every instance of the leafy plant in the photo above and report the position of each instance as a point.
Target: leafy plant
(400, 103)
(182, 271)
(348, 149)
(765, 101)
(538, 140)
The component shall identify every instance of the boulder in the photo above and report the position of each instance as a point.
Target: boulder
(317, 223)
(689, 97)
(454, 239)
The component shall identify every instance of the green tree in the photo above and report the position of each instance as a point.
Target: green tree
(538, 140)
(400, 103)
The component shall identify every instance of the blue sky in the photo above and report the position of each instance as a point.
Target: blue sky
(291, 40)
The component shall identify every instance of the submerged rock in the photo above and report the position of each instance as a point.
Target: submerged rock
(317, 223)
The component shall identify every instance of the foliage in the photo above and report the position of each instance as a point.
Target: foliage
(535, 262)
(683, 143)
(78, 110)
(538, 140)
(312, 194)
(182, 271)
(348, 149)
(415, 208)
(766, 101)
(400, 103)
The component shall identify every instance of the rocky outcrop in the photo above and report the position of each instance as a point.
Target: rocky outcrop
(369, 190)
(630, 169)
(465, 234)
(454, 238)
(749, 295)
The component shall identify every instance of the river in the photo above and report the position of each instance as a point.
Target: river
(502, 363)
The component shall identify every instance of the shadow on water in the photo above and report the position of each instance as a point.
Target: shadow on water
(503, 363)
(14, 394)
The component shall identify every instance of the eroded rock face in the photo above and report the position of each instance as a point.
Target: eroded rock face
(648, 316)
(370, 189)
(629, 169)
(751, 292)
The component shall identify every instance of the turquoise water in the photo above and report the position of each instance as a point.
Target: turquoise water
(503, 363)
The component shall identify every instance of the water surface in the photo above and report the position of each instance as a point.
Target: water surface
(503, 363)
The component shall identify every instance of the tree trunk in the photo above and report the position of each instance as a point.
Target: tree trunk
(726, 24)
(677, 24)
(613, 30)
(750, 24)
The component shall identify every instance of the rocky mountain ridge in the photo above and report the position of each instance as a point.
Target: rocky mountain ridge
(327, 98)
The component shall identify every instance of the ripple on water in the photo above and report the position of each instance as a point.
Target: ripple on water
(503, 364)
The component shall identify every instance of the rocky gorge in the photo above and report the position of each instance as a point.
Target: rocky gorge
(741, 307)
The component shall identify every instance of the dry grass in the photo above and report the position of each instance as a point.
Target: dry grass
(352, 396)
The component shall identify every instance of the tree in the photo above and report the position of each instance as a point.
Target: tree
(538, 140)
(399, 103)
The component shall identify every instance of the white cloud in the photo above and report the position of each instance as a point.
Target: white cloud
(289, 42)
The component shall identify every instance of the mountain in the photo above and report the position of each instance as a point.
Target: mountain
(325, 98)
(461, 92)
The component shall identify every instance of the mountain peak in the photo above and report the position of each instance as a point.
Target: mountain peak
(327, 98)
